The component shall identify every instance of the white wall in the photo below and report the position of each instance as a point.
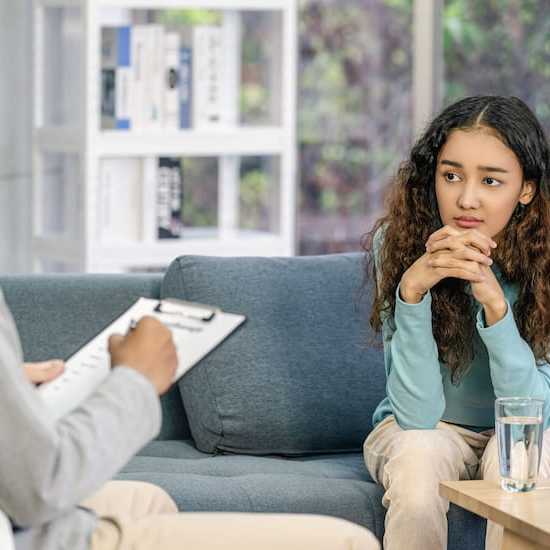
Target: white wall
(15, 113)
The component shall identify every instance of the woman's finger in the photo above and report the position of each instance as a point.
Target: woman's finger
(449, 261)
(461, 253)
(480, 241)
(469, 239)
(443, 233)
(459, 273)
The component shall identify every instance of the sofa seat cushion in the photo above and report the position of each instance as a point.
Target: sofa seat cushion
(299, 376)
(354, 500)
(343, 466)
(172, 448)
(336, 485)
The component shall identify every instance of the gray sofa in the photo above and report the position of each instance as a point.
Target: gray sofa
(271, 421)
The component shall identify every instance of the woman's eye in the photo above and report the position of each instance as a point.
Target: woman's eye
(492, 182)
(451, 177)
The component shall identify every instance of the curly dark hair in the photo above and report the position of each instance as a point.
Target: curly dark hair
(523, 255)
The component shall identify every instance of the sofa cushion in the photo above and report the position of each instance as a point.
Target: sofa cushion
(185, 460)
(299, 376)
(336, 485)
(171, 448)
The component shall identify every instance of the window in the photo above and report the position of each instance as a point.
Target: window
(356, 94)
(354, 115)
(500, 47)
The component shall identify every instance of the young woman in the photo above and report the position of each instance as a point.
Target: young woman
(462, 263)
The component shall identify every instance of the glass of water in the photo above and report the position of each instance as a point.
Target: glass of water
(519, 437)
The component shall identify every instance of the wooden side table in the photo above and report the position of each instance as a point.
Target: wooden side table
(524, 516)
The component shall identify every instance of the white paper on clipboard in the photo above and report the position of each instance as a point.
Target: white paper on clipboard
(196, 330)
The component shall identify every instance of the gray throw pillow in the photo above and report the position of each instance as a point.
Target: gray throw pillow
(300, 376)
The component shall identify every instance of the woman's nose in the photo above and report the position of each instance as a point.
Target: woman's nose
(469, 196)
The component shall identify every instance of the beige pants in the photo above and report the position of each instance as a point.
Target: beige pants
(409, 464)
(141, 516)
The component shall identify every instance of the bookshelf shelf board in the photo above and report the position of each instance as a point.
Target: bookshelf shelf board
(204, 4)
(125, 255)
(193, 142)
(112, 143)
(265, 5)
(59, 3)
(159, 253)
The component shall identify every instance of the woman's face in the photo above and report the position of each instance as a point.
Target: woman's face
(479, 182)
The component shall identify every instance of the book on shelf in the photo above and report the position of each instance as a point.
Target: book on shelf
(169, 196)
(119, 200)
(147, 72)
(207, 78)
(140, 199)
(156, 88)
(171, 104)
(116, 76)
(185, 85)
(153, 79)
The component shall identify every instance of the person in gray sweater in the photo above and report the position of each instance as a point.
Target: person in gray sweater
(54, 474)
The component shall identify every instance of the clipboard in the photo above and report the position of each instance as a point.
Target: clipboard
(196, 330)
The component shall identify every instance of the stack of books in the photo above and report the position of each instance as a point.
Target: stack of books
(151, 79)
(121, 196)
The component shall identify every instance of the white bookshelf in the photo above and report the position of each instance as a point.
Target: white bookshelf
(69, 144)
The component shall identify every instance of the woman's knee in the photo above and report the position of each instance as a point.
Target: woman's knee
(412, 479)
(416, 465)
(425, 450)
(416, 501)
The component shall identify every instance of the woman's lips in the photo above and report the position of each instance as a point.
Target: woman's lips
(468, 222)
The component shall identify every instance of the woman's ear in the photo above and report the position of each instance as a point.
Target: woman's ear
(527, 192)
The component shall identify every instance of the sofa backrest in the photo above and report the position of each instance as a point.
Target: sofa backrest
(301, 376)
(56, 314)
(305, 355)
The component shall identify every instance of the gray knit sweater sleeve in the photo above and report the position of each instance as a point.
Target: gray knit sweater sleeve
(47, 467)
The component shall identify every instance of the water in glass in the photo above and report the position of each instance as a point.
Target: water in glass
(520, 443)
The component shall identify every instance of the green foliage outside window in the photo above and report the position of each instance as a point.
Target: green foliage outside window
(355, 95)
(254, 205)
(354, 117)
(200, 192)
(499, 47)
(355, 92)
(189, 17)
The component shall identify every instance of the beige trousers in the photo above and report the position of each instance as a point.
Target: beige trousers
(141, 516)
(409, 464)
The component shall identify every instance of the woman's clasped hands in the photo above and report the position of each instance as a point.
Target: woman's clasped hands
(464, 254)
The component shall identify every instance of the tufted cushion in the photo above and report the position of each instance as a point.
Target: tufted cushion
(298, 377)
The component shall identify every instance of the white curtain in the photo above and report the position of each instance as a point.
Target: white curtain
(15, 117)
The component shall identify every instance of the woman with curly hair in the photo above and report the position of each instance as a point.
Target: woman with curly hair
(462, 264)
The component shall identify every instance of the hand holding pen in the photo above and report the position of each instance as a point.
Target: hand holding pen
(148, 348)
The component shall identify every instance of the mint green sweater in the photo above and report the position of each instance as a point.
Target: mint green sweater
(418, 387)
